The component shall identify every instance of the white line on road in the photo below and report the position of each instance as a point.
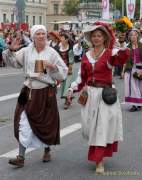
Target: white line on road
(10, 74)
(70, 129)
(123, 103)
(7, 97)
(64, 132)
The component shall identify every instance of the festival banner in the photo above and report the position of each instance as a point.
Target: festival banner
(130, 7)
(140, 9)
(105, 9)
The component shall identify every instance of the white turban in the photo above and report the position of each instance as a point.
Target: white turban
(35, 28)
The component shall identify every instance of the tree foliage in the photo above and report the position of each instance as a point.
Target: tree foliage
(71, 7)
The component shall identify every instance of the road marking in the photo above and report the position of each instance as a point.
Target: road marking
(123, 103)
(6, 126)
(64, 132)
(70, 129)
(13, 153)
(10, 74)
(7, 97)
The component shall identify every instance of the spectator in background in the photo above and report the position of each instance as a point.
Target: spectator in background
(120, 42)
(77, 50)
(26, 38)
(66, 52)
(132, 71)
(2, 47)
(54, 40)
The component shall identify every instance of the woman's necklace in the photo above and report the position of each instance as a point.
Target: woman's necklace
(96, 55)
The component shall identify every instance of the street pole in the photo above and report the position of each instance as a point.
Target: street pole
(115, 5)
(20, 5)
(122, 7)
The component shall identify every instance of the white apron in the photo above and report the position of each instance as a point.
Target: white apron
(26, 136)
(101, 123)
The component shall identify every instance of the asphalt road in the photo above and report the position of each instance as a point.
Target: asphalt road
(69, 160)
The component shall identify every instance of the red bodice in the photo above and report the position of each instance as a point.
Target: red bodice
(101, 73)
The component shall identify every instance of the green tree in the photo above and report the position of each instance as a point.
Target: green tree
(71, 7)
(137, 10)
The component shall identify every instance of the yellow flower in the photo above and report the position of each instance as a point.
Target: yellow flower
(127, 21)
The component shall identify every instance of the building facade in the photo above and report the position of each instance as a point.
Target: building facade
(35, 11)
(55, 14)
(91, 9)
(49, 12)
(46, 12)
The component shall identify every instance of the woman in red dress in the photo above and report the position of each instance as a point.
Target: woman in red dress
(101, 122)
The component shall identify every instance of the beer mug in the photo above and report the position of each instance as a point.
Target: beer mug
(39, 67)
(83, 98)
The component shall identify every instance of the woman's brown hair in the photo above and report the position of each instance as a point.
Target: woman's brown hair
(106, 38)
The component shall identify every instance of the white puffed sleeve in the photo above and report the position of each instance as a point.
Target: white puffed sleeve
(62, 70)
(14, 59)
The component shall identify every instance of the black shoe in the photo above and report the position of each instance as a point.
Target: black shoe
(46, 156)
(133, 109)
(139, 108)
(63, 97)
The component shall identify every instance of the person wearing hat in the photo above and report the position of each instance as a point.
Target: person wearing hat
(54, 40)
(132, 73)
(36, 120)
(101, 118)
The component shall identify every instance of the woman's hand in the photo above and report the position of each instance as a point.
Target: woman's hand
(122, 75)
(50, 66)
(84, 88)
(16, 44)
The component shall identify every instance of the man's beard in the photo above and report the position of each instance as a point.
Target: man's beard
(121, 41)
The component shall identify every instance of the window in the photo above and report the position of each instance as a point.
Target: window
(27, 19)
(40, 19)
(40, 1)
(4, 17)
(56, 27)
(33, 20)
(12, 17)
(56, 9)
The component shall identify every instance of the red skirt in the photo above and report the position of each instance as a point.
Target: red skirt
(97, 153)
